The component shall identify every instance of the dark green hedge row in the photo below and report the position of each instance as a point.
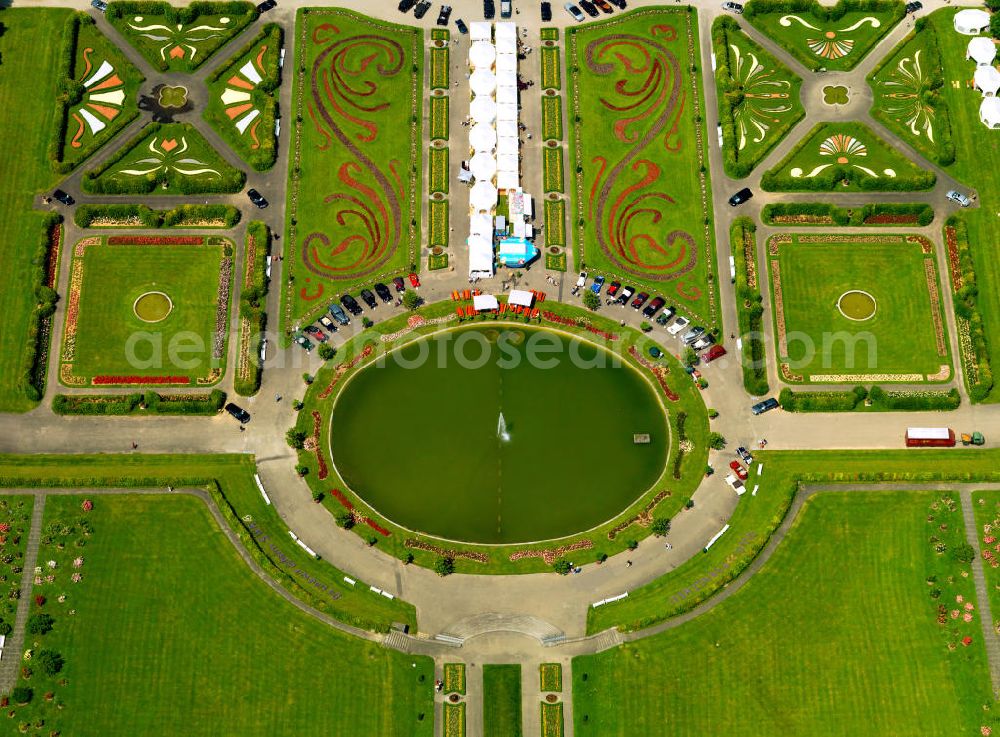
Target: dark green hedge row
(31, 375)
(253, 302)
(822, 12)
(177, 217)
(69, 91)
(924, 213)
(729, 95)
(830, 179)
(749, 312)
(847, 401)
(272, 75)
(149, 403)
(966, 302)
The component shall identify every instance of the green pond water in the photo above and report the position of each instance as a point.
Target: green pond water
(418, 439)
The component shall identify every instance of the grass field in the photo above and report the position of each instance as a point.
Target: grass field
(15, 516)
(818, 42)
(105, 335)
(758, 97)
(29, 48)
(903, 339)
(502, 701)
(234, 651)
(832, 153)
(355, 180)
(987, 509)
(242, 105)
(857, 654)
(641, 211)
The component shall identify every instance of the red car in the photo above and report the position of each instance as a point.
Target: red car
(640, 300)
(316, 333)
(414, 280)
(738, 470)
(613, 289)
(716, 351)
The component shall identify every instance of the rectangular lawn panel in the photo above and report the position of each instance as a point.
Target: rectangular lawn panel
(859, 650)
(641, 211)
(834, 38)
(552, 118)
(502, 701)
(551, 74)
(439, 170)
(242, 660)
(439, 118)
(555, 223)
(834, 153)
(437, 229)
(439, 69)
(550, 677)
(899, 337)
(105, 340)
(355, 180)
(552, 168)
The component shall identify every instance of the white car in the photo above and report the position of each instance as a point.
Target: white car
(582, 280)
(575, 12)
(960, 198)
(263, 349)
(679, 324)
(736, 485)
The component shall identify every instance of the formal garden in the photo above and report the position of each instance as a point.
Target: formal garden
(642, 209)
(147, 311)
(857, 309)
(354, 192)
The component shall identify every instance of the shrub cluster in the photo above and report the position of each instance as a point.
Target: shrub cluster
(253, 302)
(923, 213)
(966, 302)
(69, 91)
(749, 310)
(880, 399)
(177, 217)
(31, 373)
(150, 403)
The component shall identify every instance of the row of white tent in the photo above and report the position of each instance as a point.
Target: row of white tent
(983, 51)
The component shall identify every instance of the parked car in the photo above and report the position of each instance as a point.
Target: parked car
(327, 323)
(102, 6)
(238, 412)
(733, 8)
(716, 351)
(692, 335)
(664, 317)
(506, 8)
(316, 333)
(444, 15)
(582, 279)
(405, 6)
(620, 4)
(383, 292)
(613, 288)
(589, 8)
(267, 5)
(736, 485)
(489, 9)
(546, 12)
(460, 25)
(625, 295)
(653, 307)
(263, 349)
(350, 304)
(64, 197)
(598, 283)
(744, 455)
(640, 300)
(740, 197)
(257, 198)
(304, 342)
(703, 342)
(338, 314)
(368, 298)
(604, 6)
(958, 197)
(574, 11)
(414, 280)
(397, 282)
(914, 7)
(765, 406)
(679, 324)
(738, 469)
(421, 10)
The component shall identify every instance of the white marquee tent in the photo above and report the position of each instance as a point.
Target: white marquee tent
(481, 225)
(483, 195)
(483, 109)
(972, 21)
(482, 54)
(506, 62)
(987, 80)
(520, 297)
(507, 129)
(480, 31)
(482, 137)
(480, 256)
(485, 302)
(506, 31)
(982, 50)
(483, 165)
(508, 95)
(483, 82)
(989, 112)
(507, 112)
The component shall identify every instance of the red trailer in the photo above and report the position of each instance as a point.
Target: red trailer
(930, 437)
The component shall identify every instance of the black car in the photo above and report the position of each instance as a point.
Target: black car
(369, 298)
(421, 10)
(653, 307)
(338, 314)
(762, 407)
(489, 9)
(740, 197)
(383, 292)
(64, 197)
(399, 284)
(620, 4)
(99, 5)
(238, 412)
(267, 5)
(460, 25)
(405, 6)
(546, 12)
(914, 7)
(257, 198)
(444, 15)
(589, 8)
(350, 304)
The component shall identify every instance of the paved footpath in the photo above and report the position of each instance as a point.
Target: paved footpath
(990, 635)
(14, 645)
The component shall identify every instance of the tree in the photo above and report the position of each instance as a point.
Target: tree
(345, 519)
(295, 438)
(591, 301)
(51, 662)
(22, 695)
(317, 495)
(411, 300)
(660, 526)
(716, 441)
(963, 553)
(40, 624)
(302, 470)
(444, 566)
(632, 544)
(690, 357)
(562, 566)
(326, 351)
(366, 322)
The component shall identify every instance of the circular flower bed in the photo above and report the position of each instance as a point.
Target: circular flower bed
(152, 306)
(857, 305)
(437, 250)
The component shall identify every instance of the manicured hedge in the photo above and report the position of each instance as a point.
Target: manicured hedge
(830, 179)
(823, 12)
(149, 403)
(880, 399)
(68, 90)
(31, 376)
(749, 310)
(966, 302)
(832, 401)
(177, 217)
(253, 302)
(923, 213)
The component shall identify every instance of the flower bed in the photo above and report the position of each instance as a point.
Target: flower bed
(323, 471)
(891, 220)
(439, 118)
(472, 555)
(644, 518)
(660, 372)
(551, 77)
(954, 262)
(559, 319)
(552, 118)
(932, 290)
(454, 720)
(153, 240)
(555, 223)
(437, 228)
(103, 379)
(439, 69)
(552, 720)
(222, 308)
(551, 555)
(454, 678)
(344, 368)
(550, 677)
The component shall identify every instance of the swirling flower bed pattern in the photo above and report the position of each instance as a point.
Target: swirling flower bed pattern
(903, 96)
(764, 97)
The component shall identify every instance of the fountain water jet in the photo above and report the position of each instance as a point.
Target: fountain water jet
(502, 429)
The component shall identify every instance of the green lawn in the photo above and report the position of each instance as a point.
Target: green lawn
(355, 181)
(987, 506)
(174, 39)
(108, 102)
(835, 635)
(29, 49)
(15, 523)
(904, 339)
(832, 153)
(105, 336)
(241, 661)
(817, 41)
(758, 97)
(167, 159)
(907, 98)
(639, 213)
(242, 102)
(501, 701)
